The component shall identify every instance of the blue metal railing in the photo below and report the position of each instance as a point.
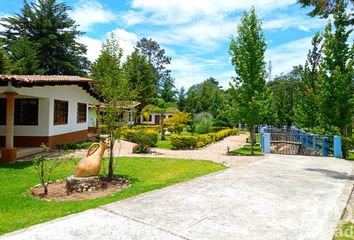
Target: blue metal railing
(316, 144)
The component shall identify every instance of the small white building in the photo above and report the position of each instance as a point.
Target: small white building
(36, 109)
(155, 118)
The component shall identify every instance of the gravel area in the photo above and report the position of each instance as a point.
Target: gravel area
(216, 152)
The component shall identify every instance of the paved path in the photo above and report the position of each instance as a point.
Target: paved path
(281, 197)
(215, 152)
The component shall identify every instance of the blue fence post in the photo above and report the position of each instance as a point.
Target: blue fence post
(307, 140)
(261, 133)
(325, 146)
(302, 137)
(266, 148)
(315, 142)
(337, 146)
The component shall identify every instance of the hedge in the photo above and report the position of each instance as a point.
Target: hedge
(179, 142)
(147, 137)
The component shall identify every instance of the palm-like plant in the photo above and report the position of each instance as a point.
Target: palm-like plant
(160, 108)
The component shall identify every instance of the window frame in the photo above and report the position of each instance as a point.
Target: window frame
(56, 121)
(36, 122)
(78, 116)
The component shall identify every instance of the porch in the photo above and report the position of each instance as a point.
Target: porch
(37, 110)
(23, 152)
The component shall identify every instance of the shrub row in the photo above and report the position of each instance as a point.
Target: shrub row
(146, 127)
(74, 146)
(192, 142)
(147, 137)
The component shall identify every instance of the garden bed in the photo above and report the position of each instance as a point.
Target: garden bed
(57, 190)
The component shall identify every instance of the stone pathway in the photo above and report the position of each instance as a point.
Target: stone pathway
(214, 152)
(281, 197)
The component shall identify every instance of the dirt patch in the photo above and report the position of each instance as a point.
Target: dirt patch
(57, 191)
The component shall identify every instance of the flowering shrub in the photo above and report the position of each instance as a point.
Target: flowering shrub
(192, 142)
(147, 137)
(183, 142)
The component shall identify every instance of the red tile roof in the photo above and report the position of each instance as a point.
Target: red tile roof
(45, 79)
(42, 80)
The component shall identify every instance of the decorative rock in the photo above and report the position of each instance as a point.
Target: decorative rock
(82, 184)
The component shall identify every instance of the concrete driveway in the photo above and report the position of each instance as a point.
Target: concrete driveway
(281, 197)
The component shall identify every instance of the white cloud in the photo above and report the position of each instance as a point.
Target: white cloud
(93, 47)
(3, 15)
(90, 12)
(303, 23)
(183, 11)
(191, 69)
(126, 40)
(187, 72)
(133, 17)
(202, 36)
(287, 55)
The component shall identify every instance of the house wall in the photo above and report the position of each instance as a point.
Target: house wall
(46, 128)
(152, 122)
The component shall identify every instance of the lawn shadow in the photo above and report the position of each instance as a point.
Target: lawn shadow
(129, 178)
(332, 174)
(17, 165)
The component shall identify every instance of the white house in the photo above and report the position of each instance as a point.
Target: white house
(36, 109)
(155, 118)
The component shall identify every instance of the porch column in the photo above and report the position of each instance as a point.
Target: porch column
(8, 154)
(97, 108)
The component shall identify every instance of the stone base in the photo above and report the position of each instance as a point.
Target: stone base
(8, 155)
(83, 184)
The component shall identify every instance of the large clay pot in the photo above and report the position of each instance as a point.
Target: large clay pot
(91, 164)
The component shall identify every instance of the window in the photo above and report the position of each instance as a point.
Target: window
(26, 111)
(61, 109)
(2, 111)
(81, 112)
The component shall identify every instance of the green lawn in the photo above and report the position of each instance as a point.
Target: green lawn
(17, 210)
(166, 144)
(246, 151)
(258, 139)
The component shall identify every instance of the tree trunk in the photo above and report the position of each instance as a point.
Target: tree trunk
(162, 128)
(110, 165)
(252, 140)
(45, 189)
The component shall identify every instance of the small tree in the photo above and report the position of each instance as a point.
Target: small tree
(178, 121)
(306, 106)
(335, 75)
(161, 108)
(113, 89)
(204, 122)
(247, 50)
(45, 168)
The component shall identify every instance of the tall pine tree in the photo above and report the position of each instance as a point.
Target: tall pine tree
(53, 35)
(141, 77)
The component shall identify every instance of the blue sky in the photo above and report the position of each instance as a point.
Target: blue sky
(195, 33)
